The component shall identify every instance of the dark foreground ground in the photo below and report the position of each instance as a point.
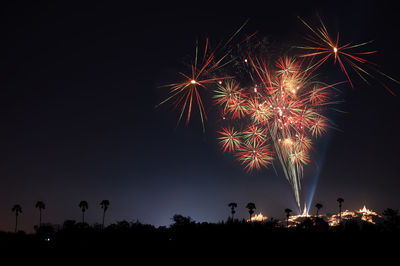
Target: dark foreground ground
(190, 242)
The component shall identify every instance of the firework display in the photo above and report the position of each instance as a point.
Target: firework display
(279, 117)
(279, 114)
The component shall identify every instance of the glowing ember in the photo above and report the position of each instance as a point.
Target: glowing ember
(305, 211)
(361, 215)
(297, 219)
(364, 214)
(257, 218)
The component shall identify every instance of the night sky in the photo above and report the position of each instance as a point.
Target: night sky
(78, 89)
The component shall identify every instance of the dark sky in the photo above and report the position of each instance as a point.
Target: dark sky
(79, 84)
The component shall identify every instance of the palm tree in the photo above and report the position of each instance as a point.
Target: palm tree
(287, 211)
(340, 200)
(17, 209)
(318, 206)
(232, 205)
(41, 206)
(84, 206)
(104, 205)
(251, 206)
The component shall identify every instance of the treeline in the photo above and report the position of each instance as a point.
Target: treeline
(186, 233)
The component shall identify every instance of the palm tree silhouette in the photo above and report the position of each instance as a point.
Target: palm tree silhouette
(41, 206)
(104, 205)
(318, 206)
(84, 206)
(232, 205)
(287, 211)
(17, 209)
(340, 200)
(251, 206)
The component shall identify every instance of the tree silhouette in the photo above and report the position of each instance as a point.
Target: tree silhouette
(104, 205)
(232, 205)
(287, 211)
(180, 220)
(340, 200)
(392, 218)
(17, 209)
(318, 206)
(84, 206)
(251, 206)
(41, 206)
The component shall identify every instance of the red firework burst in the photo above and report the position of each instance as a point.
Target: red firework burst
(255, 155)
(230, 139)
(322, 47)
(187, 92)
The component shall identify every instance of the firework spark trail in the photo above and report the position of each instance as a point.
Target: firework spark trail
(323, 47)
(281, 113)
(187, 92)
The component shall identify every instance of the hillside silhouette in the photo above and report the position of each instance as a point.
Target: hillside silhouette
(229, 239)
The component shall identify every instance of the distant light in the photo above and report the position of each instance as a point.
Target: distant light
(257, 218)
(47, 239)
(245, 60)
(335, 50)
(255, 89)
(219, 82)
(193, 81)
